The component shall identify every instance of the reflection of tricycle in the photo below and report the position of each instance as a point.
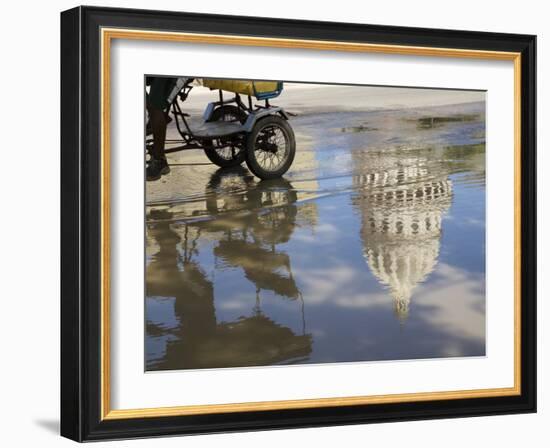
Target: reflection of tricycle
(233, 131)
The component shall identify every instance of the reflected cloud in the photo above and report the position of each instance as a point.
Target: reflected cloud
(462, 313)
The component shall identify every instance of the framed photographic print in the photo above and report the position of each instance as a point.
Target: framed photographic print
(274, 224)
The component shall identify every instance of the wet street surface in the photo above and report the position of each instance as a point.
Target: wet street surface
(372, 247)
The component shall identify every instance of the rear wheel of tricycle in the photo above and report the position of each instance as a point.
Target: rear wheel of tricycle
(270, 147)
(224, 152)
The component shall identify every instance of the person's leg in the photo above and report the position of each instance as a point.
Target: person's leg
(157, 120)
(156, 106)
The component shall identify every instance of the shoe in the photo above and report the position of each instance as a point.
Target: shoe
(157, 168)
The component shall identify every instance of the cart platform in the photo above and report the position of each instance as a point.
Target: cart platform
(215, 129)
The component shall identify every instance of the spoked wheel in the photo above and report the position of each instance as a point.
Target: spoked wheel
(270, 147)
(223, 151)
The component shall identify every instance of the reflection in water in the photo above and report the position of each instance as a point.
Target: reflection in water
(245, 241)
(401, 206)
(372, 249)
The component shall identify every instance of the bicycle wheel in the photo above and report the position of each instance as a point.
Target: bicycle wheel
(270, 147)
(223, 152)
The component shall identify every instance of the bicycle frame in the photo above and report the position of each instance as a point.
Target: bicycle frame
(190, 141)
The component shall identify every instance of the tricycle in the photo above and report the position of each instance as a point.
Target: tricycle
(234, 130)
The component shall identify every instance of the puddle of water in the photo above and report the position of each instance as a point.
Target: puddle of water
(371, 248)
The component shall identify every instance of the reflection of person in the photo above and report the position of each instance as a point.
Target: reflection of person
(173, 273)
(161, 94)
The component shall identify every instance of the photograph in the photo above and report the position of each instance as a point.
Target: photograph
(275, 223)
(292, 223)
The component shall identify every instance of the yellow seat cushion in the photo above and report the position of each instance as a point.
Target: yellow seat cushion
(242, 87)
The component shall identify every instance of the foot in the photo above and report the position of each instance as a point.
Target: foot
(157, 168)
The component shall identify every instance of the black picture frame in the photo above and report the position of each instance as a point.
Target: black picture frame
(81, 224)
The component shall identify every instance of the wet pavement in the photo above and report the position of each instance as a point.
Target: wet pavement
(372, 246)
